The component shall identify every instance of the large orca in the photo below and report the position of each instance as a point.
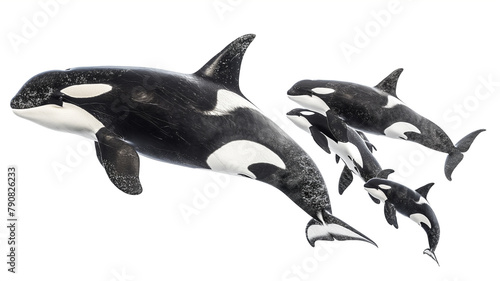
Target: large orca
(410, 203)
(199, 120)
(379, 111)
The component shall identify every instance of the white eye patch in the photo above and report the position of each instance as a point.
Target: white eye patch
(86, 90)
(300, 121)
(323, 91)
(384, 186)
(307, 113)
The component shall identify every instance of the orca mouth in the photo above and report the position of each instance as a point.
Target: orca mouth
(369, 185)
(14, 104)
(294, 112)
(56, 99)
(295, 92)
(19, 103)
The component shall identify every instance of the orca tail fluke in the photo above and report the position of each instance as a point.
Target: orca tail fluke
(464, 144)
(431, 254)
(331, 228)
(456, 156)
(452, 162)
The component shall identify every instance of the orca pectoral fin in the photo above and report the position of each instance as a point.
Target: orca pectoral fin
(337, 158)
(98, 152)
(337, 126)
(120, 160)
(320, 139)
(390, 214)
(346, 179)
(332, 229)
(370, 146)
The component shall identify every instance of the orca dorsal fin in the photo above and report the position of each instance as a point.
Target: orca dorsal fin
(224, 68)
(390, 82)
(384, 174)
(424, 190)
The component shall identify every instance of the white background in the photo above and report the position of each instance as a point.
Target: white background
(75, 225)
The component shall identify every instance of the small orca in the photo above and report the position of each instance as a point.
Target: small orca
(410, 203)
(199, 120)
(347, 144)
(378, 110)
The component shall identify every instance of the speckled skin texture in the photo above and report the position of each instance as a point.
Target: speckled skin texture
(120, 160)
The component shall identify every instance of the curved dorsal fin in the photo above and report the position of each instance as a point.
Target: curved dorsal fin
(224, 68)
(384, 174)
(424, 190)
(390, 82)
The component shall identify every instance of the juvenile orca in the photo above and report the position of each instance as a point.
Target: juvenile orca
(378, 110)
(410, 203)
(347, 144)
(199, 120)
